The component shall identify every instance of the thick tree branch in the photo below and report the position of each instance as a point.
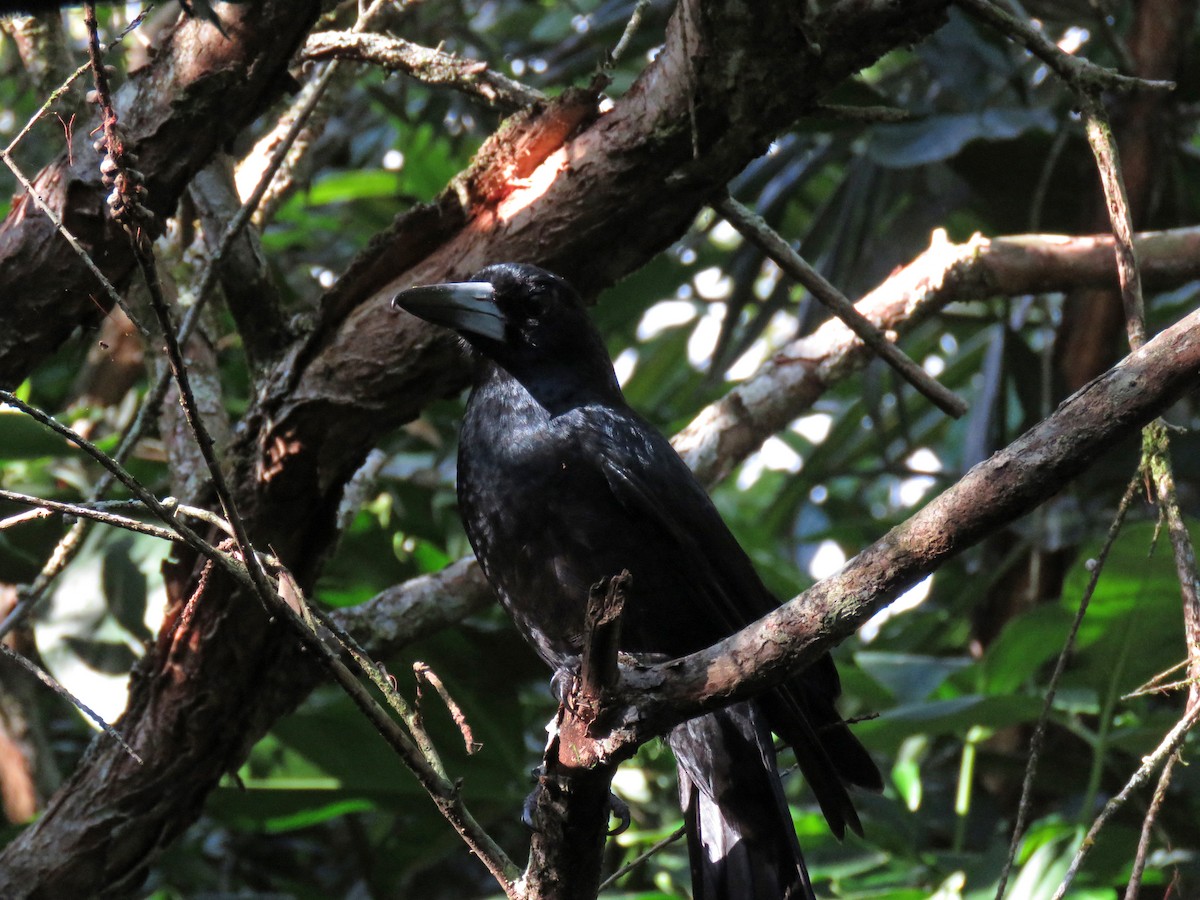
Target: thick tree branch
(726, 432)
(1009, 484)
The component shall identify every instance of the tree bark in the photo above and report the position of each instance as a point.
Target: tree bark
(200, 90)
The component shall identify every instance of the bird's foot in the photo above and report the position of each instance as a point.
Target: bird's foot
(617, 809)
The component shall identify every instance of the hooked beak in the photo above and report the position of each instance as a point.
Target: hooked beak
(467, 306)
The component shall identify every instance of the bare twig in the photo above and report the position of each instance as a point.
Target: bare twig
(425, 674)
(1169, 745)
(650, 851)
(631, 27)
(91, 511)
(52, 683)
(1104, 148)
(1077, 71)
(1095, 567)
(1158, 684)
(1156, 456)
(1139, 860)
(755, 230)
(430, 66)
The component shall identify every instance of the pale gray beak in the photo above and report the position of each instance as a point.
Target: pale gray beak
(465, 306)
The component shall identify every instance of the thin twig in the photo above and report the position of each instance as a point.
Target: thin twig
(1039, 733)
(89, 511)
(424, 673)
(758, 232)
(30, 515)
(1080, 73)
(1139, 860)
(1156, 684)
(1156, 455)
(50, 682)
(631, 27)
(641, 858)
(1171, 743)
(1108, 163)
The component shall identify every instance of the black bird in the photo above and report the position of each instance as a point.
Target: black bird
(560, 484)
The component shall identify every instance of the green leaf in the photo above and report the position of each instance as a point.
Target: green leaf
(909, 677)
(342, 187)
(125, 590)
(23, 438)
(953, 716)
(940, 137)
(109, 657)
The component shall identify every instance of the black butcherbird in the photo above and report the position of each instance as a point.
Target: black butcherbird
(560, 484)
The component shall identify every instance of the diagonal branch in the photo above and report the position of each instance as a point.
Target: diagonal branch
(759, 233)
(723, 434)
(1013, 482)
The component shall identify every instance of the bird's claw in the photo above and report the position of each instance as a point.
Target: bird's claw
(619, 810)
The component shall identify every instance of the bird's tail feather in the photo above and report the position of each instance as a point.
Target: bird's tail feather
(741, 840)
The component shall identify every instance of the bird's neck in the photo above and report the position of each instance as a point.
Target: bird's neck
(557, 389)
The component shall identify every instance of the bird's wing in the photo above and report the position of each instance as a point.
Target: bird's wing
(663, 499)
(723, 594)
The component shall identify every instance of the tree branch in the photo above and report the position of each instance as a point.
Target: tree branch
(787, 385)
(723, 434)
(470, 76)
(1009, 484)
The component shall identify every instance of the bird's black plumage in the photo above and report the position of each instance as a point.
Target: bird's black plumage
(560, 484)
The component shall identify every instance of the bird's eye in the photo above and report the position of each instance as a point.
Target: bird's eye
(536, 305)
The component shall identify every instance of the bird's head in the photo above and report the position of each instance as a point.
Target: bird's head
(528, 321)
